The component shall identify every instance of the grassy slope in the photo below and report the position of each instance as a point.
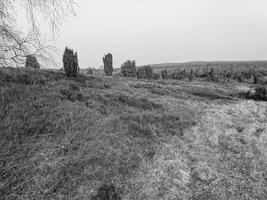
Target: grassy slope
(63, 138)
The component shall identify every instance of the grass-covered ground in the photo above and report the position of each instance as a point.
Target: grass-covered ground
(65, 138)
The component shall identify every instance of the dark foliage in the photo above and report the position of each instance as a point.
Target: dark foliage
(107, 192)
(261, 93)
(145, 72)
(213, 76)
(179, 74)
(164, 74)
(32, 62)
(70, 63)
(128, 69)
(191, 75)
(108, 64)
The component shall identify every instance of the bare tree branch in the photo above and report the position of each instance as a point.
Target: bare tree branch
(14, 45)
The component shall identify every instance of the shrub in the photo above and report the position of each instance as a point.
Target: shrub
(145, 72)
(212, 75)
(191, 75)
(107, 192)
(128, 69)
(32, 62)
(179, 74)
(156, 76)
(260, 93)
(70, 63)
(90, 71)
(164, 74)
(108, 64)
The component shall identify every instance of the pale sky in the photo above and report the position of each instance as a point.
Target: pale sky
(163, 31)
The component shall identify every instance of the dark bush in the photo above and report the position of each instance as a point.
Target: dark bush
(128, 69)
(164, 74)
(179, 74)
(90, 71)
(108, 64)
(70, 63)
(32, 62)
(191, 75)
(156, 76)
(213, 76)
(261, 93)
(145, 72)
(107, 192)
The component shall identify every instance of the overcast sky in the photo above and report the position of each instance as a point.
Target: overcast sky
(160, 31)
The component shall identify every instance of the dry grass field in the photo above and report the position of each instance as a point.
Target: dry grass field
(64, 138)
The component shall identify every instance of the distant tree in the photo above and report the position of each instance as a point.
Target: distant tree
(164, 74)
(14, 44)
(128, 69)
(145, 72)
(70, 63)
(212, 75)
(191, 75)
(108, 64)
(90, 71)
(31, 62)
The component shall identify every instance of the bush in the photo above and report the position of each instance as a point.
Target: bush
(90, 71)
(164, 74)
(145, 72)
(156, 76)
(108, 64)
(261, 93)
(191, 75)
(128, 69)
(212, 75)
(70, 63)
(107, 192)
(179, 74)
(32, 62)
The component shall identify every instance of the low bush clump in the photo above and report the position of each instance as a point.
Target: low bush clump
(260, 93)
(107, 192)
(164, 74)
(145, 72)
(191, 75)
(70, 63)
(128, 69)
(32, 62)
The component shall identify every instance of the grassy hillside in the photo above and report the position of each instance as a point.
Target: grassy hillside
(64, 138)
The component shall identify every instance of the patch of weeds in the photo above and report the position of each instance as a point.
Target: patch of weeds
(149, 125)
(72, 95)
(107, 192)
(142, 103)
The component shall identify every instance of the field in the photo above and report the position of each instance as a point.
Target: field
(64, 138)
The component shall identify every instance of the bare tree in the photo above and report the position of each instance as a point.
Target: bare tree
(14, 45)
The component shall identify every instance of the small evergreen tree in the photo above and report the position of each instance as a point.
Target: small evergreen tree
(108, 64)
(70, 63)
(31, 62)
(128, 69)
